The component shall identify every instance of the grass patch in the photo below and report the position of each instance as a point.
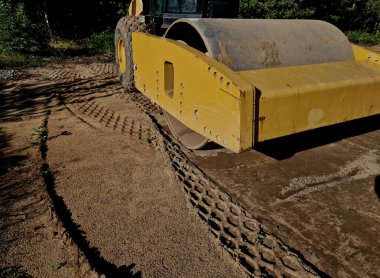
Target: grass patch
(55, 266)
(62, 48)
(14, 59)
(362, 37)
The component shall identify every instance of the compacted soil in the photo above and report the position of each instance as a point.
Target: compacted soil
(92, 184)
(79, 198)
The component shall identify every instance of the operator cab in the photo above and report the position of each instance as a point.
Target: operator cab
(162, 13)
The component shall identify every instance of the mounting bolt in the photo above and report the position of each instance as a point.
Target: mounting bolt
(135, 67)
(196, 114)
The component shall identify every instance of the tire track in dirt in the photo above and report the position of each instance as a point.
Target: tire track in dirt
(90, 262)
(111, 119)
(243, 235)
(31, 236)
(53, 228)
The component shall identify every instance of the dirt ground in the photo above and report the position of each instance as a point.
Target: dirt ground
(321, 201)
(120, 210)
(92, 184)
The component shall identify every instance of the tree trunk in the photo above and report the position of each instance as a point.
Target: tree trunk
(47, 19)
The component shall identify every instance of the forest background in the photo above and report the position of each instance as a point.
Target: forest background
(30, 29)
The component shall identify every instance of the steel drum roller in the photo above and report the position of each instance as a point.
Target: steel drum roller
(248, 44)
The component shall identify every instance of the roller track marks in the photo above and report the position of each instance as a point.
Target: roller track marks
(241, 234)
(104, 70)
(70, 73)
(111, 119)
(87, 260)
(63, 75)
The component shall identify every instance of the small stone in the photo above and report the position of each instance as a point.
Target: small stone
(211, 193)
(208, 201)
(233, 220)
(235, 210)
(268, 257)
(268, 242)
(10, 74)
(291, 262)
(249, 224)
(221, 207)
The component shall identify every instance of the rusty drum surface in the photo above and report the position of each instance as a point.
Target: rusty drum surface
(247, 44)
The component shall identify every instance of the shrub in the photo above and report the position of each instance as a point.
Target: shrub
(102, 42)
(274, 9)
(363, 37)
(17, 32)
(13, 24)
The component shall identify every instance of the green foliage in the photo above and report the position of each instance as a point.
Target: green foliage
(13, 27)
(55, 266)
(346, 14)
(260, 236)
(274, 9)
(20, 37)
(148, 139)
(102, 42)
(372, 16)
(39, 134)
(122, 7)
(362, 37)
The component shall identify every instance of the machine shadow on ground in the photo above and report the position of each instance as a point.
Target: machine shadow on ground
(92, 254)
(377, 186)
(30, 99)
(286, 147)
(7, 162)
(11, 191)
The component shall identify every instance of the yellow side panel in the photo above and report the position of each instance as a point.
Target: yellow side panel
(203, 94)
(300, 98)
(364, 54)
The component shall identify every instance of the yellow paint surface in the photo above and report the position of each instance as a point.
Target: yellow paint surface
(203, 94)
(300, 98)
(231, 108)
(366, 55)
(135, 7)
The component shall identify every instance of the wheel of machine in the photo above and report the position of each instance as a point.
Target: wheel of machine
(123, 48)
(189, 138)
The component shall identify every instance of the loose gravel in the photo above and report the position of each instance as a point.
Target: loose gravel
(10, 74)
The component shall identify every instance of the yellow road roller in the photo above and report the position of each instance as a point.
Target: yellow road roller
(238, 82)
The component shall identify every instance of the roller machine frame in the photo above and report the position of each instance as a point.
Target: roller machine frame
(240, 82)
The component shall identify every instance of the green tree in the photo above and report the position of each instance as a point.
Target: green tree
(346, 14)
(372, 18)
(13, 26)
(275, 9)
(17, 32)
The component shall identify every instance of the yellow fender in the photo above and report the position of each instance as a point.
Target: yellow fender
(135, 8)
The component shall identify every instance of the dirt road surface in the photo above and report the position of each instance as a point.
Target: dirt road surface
(92, 184)
(120, 209)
